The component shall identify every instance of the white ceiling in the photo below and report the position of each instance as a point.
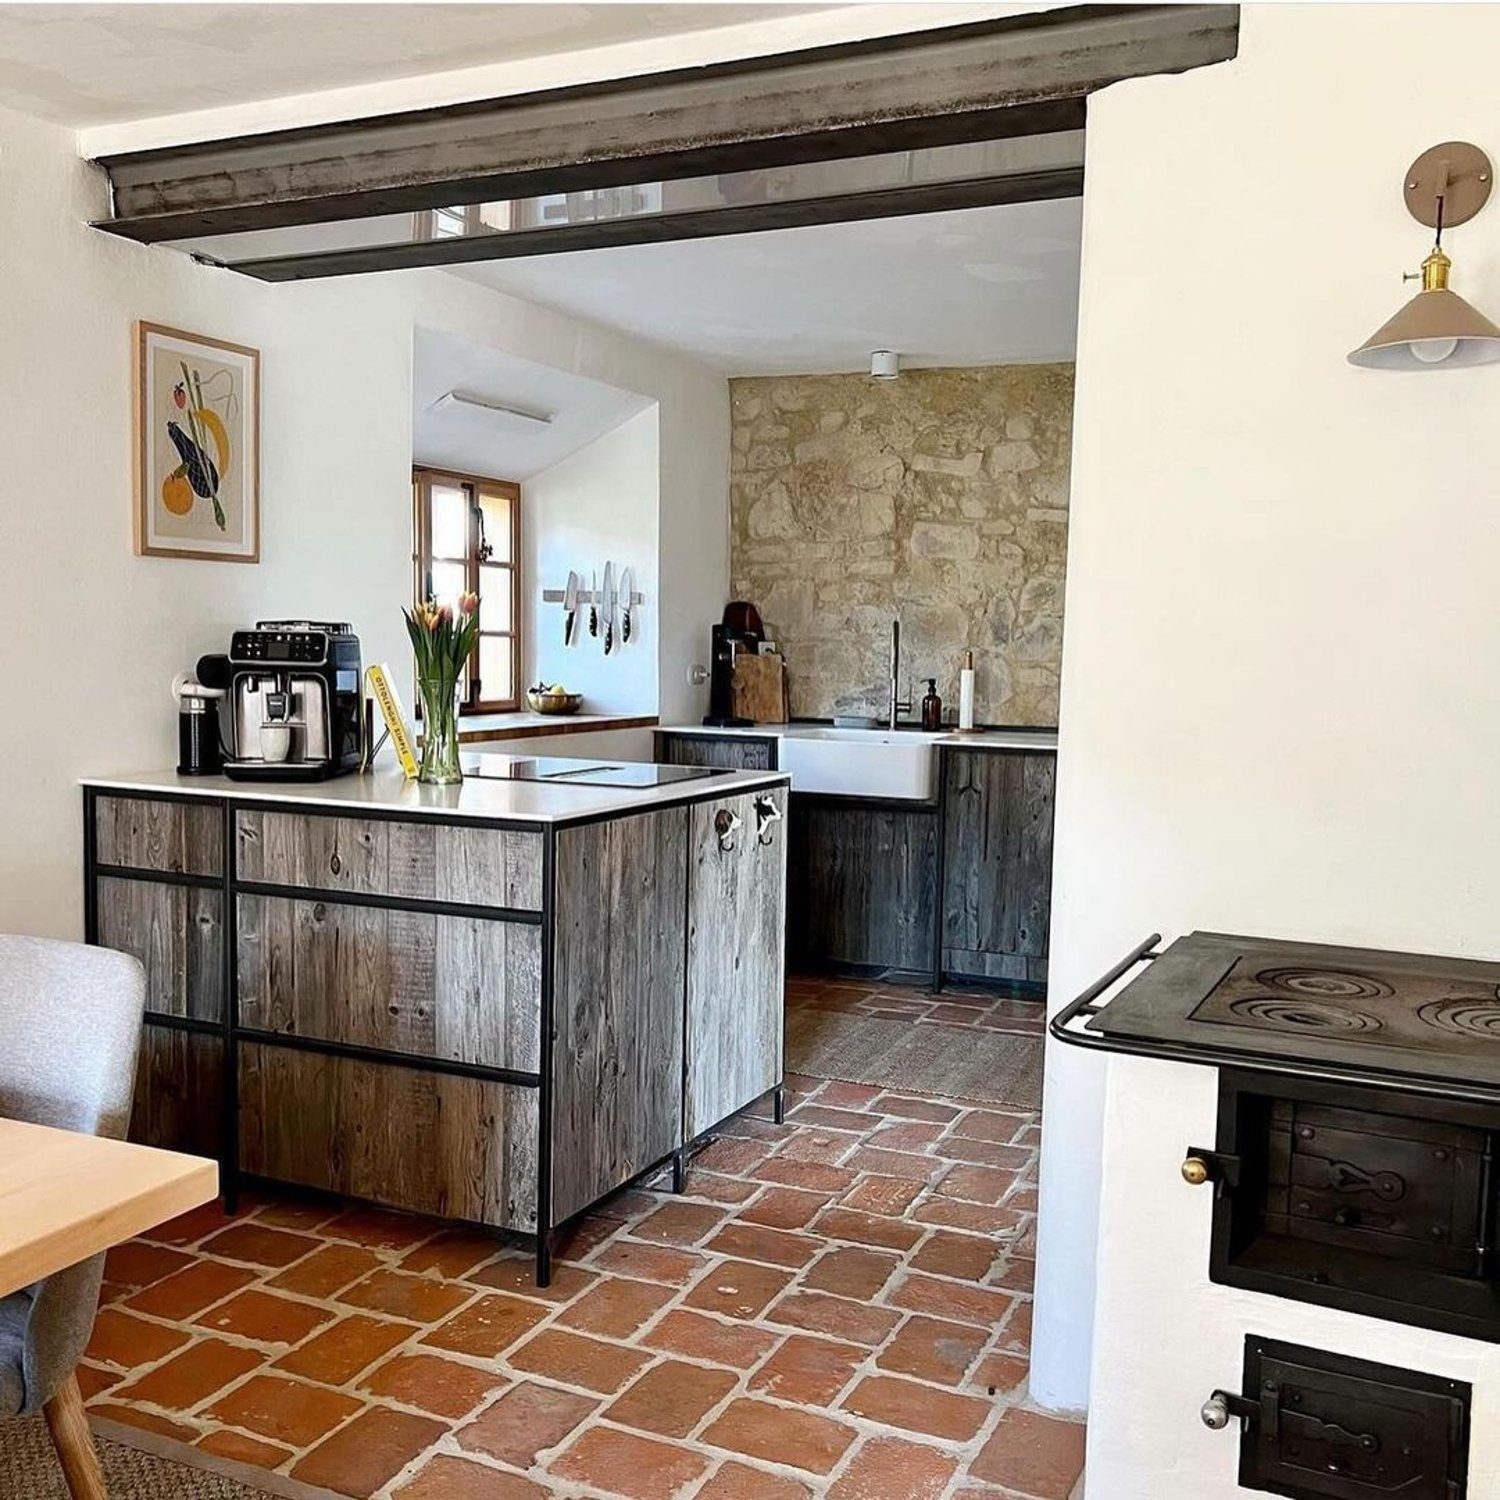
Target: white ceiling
(475, 442)
(86, 65)
(974, 287)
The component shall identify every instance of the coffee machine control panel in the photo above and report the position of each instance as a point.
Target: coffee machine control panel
(277, 648)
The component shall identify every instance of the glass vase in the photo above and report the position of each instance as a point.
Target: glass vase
(440, 765)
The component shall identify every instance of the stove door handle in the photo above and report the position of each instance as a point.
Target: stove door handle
(1218, 1167)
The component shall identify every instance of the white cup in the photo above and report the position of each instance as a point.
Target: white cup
(275, 742)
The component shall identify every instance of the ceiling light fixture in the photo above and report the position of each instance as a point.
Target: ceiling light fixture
(457, 401)
(1446, 185)
(885, 364)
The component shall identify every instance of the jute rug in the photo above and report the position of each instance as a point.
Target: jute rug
(995, 1067)
(137, 1466)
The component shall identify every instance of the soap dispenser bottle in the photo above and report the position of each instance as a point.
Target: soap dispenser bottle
(932, 707)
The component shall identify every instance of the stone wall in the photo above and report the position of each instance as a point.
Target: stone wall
(940, 499)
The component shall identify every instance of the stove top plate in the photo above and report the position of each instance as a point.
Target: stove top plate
(1358, 1010)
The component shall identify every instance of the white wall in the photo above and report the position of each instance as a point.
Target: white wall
(598, 505)
(91, 635)
(1281, 674)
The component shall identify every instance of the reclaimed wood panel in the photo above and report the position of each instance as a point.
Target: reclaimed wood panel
(145, 833)
(617, 1012)
(736, 966)
(863, 883)
(387, 857)
(997, 862)
(177, 932)
(430, 1143)
(466, 989)
(179, 1091)
(726, 753)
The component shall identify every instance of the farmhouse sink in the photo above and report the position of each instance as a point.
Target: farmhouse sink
(861, 762)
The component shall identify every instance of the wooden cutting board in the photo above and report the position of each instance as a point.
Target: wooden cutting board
(759, 689)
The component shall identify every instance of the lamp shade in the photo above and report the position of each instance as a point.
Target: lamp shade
(1436, 329)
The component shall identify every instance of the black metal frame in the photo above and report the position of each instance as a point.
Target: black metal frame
(233, 1034)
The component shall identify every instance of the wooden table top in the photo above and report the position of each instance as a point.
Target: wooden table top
(65, 1196)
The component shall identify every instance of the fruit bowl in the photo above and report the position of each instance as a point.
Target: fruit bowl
(552, 700)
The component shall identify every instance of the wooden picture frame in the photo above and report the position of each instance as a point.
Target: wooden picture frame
(197, 446)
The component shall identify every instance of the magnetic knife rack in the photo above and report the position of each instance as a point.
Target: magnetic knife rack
(590, 596)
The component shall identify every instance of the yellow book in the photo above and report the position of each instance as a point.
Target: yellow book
(383, 691)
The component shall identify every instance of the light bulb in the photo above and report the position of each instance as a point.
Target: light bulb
(1433, 351)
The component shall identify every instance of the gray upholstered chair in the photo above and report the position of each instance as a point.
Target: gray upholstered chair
(70, 1025)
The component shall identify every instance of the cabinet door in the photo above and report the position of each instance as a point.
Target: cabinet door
(997, 863)
(730, 752)
(617, 981)
(736, 955)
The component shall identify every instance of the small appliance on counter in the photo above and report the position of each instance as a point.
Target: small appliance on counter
(294, 697)
(740, 631)
(200, 743)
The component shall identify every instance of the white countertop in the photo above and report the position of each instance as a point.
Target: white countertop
(974, 739)
(389, 791)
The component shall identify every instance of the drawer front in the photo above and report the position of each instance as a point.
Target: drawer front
(464, 989)
(179, 1091)
(177, 932)
(144, 833)
(732, 752)
(433, 1144)
(383, 857)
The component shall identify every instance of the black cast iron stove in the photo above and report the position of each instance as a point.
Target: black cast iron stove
(1353, 1167)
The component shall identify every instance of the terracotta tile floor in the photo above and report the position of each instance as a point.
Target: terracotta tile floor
(838, 1306)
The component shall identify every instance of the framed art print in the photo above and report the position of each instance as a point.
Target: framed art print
(197, 440)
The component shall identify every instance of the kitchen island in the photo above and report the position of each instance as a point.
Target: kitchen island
(495, 1002)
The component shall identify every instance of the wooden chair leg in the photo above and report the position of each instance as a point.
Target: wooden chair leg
(69, 1427)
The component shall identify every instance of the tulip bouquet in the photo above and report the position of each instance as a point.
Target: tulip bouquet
(442, 639)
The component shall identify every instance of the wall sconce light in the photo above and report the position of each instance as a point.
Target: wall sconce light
(1446, 185)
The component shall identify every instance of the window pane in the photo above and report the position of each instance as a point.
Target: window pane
(496, 511)
(450, 521)
(494, 599)
(448, 582)
(495, 668)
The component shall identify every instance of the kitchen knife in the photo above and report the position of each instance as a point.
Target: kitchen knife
(570, 609)
(627, 594)
(594, 605)
(609, 608)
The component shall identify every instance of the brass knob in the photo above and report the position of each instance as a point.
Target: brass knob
(1195, 1171)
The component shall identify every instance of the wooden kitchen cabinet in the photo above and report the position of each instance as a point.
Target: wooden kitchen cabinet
(725, 752)
(864, 883)
(997, 863)
(736, 967)
(486, 1018)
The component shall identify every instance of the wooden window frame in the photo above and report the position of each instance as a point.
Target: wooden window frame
(423, 478)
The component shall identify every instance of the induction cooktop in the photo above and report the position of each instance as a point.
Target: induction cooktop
(557, 770)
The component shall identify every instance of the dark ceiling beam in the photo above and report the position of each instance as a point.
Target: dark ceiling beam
(943, 87)
(1018, 187)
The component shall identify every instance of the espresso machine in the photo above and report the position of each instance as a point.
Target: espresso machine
(295, 701)
(739, 630)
